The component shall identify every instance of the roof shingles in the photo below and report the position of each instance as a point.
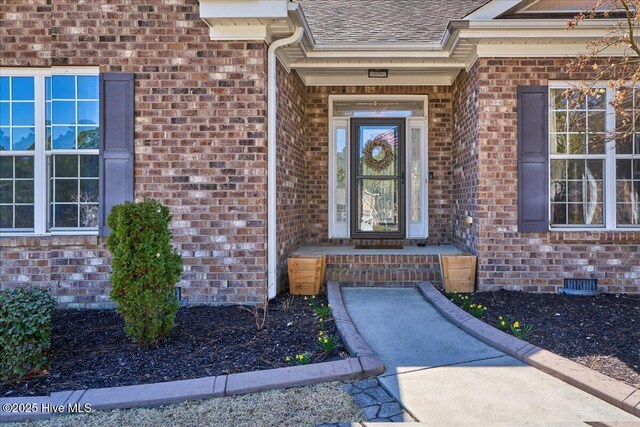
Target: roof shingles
(383, 21)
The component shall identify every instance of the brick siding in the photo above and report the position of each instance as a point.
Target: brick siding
(200, 148)
(533, 261)
(291, 167)
(465, 159)
(200, 141)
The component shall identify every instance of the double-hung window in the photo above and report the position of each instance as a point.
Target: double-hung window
(594, 171)
(49, 151)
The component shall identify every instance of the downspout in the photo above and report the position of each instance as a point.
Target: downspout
(272, 158)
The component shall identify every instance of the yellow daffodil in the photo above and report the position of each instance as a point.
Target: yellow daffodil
(516, 324)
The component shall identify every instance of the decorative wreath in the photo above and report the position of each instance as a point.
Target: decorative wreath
(380, 164)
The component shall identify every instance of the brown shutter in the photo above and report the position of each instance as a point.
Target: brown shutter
(116, 142)
(533, 159)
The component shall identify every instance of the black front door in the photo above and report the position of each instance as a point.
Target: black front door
(377, 178)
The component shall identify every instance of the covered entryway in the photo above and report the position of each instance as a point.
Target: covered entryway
(378, 174)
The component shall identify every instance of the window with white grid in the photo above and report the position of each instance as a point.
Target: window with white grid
(49, 148)
(594, 170)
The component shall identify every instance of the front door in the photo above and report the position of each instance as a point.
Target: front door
(377, 178)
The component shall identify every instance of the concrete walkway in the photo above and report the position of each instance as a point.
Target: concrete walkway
(443, 376)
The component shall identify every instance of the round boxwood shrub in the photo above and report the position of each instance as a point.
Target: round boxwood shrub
(25, 331)
(145, 269)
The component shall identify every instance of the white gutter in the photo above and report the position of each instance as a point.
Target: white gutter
(272, 158)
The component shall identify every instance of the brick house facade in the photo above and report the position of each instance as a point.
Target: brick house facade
(201, 146)
(200, 142)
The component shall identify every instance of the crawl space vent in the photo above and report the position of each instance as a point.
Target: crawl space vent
(580, 287)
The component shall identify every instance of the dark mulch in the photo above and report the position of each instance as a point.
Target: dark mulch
(601, 332)
(90, 350)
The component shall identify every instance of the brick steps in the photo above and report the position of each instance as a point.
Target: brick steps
(364, 261)
(406, 276)
(380, 270)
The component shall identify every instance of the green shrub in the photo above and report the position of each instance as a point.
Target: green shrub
(25, 331)
(145, 269)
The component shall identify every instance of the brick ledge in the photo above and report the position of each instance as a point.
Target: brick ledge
(49, 241)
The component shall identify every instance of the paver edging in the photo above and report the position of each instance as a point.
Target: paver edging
(157, 394)
(615, 392)
(353, 341)
(363, 363)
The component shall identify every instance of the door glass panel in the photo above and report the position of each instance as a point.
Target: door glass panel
(378, 205)
(378, 149)
(378, 182)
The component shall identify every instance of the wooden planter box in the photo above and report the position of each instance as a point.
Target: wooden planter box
(306, 274)
(458, 273)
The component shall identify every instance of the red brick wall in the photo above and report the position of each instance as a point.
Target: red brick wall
(291, 166)
(200, 140)
(465, 159)
(439, 122)
(533, 261)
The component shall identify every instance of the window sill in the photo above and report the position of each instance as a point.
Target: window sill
(52, 234)
(17, 240)
(600, 235)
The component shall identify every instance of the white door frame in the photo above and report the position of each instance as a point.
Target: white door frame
(341, 229)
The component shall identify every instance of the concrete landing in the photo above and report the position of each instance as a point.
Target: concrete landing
(351, 250)
(443, 376)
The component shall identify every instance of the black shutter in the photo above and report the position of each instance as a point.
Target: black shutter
(533, 159)
(116, 142)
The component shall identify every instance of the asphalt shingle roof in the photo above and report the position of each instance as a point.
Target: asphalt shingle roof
(383, 21)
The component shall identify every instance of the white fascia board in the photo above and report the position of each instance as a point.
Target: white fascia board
(387, 53)
(377, 46)
(516, 25)
(337, 79)
(237, 32)
(247, 9)
(373, 64)
(494, 9)
(300, 20)
(523, 50)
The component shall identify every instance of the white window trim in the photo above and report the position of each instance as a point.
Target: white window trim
(40, 180)
(609, 157)
(343, 230)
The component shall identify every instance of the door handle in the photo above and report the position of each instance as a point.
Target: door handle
(402, 178)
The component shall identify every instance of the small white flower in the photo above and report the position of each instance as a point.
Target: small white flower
(158, 255)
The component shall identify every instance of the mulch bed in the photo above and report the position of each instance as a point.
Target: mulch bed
(90, 349)
(601, 332)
